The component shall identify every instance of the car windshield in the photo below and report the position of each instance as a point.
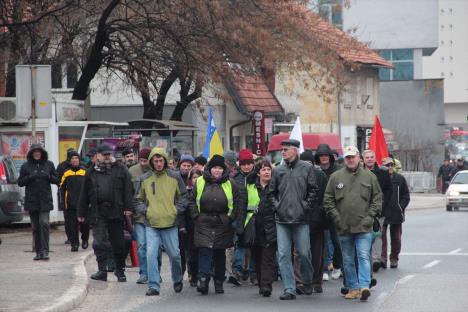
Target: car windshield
(461, 178)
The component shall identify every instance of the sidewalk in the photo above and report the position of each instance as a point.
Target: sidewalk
(56, 285)
(426, 201)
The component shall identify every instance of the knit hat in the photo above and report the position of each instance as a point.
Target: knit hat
(144, 153)
(231, 158)
(186, 158)
(200, 160)
(307, 155)
(216, 160)
(245, 157)
(72, 153)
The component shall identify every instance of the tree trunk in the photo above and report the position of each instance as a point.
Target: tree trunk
(94, 62)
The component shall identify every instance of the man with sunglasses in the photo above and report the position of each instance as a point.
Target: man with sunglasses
(293, 192)
(395, 215)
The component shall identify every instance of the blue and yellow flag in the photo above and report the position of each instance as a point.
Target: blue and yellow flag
(213, 143)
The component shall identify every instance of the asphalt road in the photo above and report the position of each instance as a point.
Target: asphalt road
(432, 276)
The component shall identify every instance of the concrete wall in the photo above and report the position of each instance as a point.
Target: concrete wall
(414, 111)
(395, 24)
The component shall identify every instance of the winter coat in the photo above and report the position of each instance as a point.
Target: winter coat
(317, 217)
(213, 226)
(117, 182)
(37, 176)
(265, 225)
(446, 172)
(457, 168)
(136, 171)
(162, 195)
(395, 213)
(385, 182)
(70, 187)
(324, 149)
(293, 191)
(353, 200)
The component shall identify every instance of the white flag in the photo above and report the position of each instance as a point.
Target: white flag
(296, 134)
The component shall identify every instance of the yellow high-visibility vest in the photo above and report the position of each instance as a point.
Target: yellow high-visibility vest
(227, 188)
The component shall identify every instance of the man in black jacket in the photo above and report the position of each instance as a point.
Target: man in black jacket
(105, 198)
(445, 174)
(385, 183)
(293, 191)
(37, 174)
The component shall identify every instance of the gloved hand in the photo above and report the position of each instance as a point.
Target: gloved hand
(43, 175)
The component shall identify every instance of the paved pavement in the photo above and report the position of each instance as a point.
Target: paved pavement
(61, 284)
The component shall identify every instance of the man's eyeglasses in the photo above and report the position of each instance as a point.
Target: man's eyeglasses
(389, 165)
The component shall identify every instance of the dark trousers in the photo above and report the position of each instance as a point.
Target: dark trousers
(40, 227)
(317, 247)
(337, 256)
(209, 258)
(265, 265)
(396, 231)
(192, 252)
(105, 231)
(72, 227)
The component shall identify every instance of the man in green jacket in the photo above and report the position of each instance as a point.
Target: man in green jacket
(162, 197)
(352, 199)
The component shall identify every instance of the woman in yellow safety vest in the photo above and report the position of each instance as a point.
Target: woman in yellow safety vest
(214, 204)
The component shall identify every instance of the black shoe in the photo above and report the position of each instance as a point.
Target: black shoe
(373, 282)
(383, 265)
(344, 290)
(265, 292)
(74, 248)
(100, 276)
(193, 283)
(219, 287)
(245, 276)
(287, 296)
(376, 266)
(308, 290)
(203, 286)
(120, 276)
(318, 289)
(234, 281)
(45, 255)
(152, 292)
(178, 287)
(300, 289)
(84, 244)
(38, 257)
(67, 242)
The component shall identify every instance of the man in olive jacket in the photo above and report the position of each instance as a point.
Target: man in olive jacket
(353, 199)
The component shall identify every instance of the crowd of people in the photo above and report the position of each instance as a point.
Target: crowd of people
(448, 170)
(236, 217)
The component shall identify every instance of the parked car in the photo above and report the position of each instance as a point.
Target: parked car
(11, 198)
(457, 192)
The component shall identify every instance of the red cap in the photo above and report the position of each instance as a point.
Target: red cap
(245, 156)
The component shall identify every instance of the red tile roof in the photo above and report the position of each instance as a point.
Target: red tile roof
(253, 93)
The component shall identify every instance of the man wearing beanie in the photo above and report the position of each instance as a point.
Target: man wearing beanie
(231, 162)
(200, 163)
(186, 163)
(245, 176)
(136, 171)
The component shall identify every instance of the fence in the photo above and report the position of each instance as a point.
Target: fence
(424, 182)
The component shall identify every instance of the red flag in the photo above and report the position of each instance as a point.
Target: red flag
(377, 142)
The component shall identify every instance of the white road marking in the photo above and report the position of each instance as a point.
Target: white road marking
(455, 251)
(405, 279)
(431, 264)
(434, 254)
(381, 298)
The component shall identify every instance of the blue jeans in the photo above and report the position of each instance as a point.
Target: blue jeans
(140, 232)
(209, 258)
(287, 235)
(356, 247)
(169, 238)
(238, 261)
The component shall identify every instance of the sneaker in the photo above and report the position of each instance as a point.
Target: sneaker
(74, 248)
(235, 279)
(142, 280)
(353, 294)
(178, 287)
(84, 244)
(394, 264)
(152, 292)
(336, 274)
(318, 289)
(365, 294)
(120, 276)
(99, 276)
(287, 296)
(326, 277)
(373, 282)
(38, 257)
(376, 266)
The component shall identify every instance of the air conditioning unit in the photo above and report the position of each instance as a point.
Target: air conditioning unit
(7, 108)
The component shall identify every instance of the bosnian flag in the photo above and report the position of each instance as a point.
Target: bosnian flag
(213, 143)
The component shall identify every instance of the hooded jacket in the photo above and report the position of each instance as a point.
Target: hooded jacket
(324, 149)
(37, 176)
(293, 190)
(70, 187)
(213, 226)
(385, 182)
(162, 195)
(395, 214)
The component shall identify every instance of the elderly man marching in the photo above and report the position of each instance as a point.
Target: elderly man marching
(353, 199)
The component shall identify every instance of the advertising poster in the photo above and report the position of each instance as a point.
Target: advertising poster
(64, 145)
(17, 145)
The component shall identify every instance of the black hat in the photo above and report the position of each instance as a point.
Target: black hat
(307, 155)
(200, 160)
(291, 142)
(104, 149)
(216, 160)
(127, 151)
(91, 152)
(72, 153)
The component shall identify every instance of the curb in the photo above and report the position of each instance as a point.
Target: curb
(77, 292)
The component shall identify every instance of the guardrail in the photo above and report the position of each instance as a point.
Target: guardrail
(424, 182)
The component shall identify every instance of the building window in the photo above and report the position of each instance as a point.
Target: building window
(402, 60)
(332, 11)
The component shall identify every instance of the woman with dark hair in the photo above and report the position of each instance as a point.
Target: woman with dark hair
(264, 245)
(214, 204)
